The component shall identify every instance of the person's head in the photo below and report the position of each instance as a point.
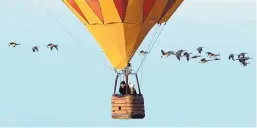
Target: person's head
(123, 82)
(131, 85)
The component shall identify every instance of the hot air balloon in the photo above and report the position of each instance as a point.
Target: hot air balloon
(119, 27)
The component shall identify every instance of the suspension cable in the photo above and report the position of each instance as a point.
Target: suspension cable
(141, 76)
(50, 15)
(109, 67)
(151, 47)
(153, 36)
(158, 36)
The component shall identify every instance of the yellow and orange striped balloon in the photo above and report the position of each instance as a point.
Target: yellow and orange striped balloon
(119, 26)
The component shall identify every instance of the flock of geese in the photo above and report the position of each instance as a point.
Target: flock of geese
(36, 48)
(241, 57)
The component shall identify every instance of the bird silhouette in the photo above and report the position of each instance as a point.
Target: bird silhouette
(187, 55)
(200, 49)
(204, 60)
(35, 48)
(212, 54)
(231, 56)
(166, 54)
(196, 56)
(51, 46)
(13, 44)
(143, 52)
(179, 53)
(216, 59)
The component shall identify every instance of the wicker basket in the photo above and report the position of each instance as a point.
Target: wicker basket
(128, 107)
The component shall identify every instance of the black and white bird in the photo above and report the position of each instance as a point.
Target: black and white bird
(200, 49)
(143, 52)
(187, 55)
(212, 54)
(204, 60)
(231, 56)
(166, 54)
(51, 46)
(196, 56)
(13, 44)
(216, 59)
(35, 48)
(179, 54)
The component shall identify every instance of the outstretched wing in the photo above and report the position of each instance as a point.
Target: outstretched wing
(162, 52)
(199, 50)
(178, 57)
(229, 57)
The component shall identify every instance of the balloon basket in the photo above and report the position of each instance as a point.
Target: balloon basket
(128, 107)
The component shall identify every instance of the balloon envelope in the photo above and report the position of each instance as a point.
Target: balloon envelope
(119, 26)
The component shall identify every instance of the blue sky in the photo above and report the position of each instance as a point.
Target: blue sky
(62, 88)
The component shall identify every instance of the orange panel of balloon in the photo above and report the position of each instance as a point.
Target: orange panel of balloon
(119, 26)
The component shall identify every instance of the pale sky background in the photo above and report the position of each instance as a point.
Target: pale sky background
(73, 87)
